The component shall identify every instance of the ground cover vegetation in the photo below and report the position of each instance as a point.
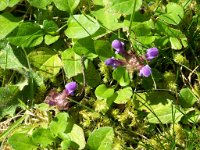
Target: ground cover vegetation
(100, 74)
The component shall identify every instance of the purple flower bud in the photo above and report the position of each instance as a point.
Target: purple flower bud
(113, 62)
(145, 71)
(70, 88)
(119, 47)
(151, 53)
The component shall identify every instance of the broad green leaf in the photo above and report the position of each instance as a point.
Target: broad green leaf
(13, 2)
(175, 43)
(3, 5)
(101, 139)
(93, 77)
(84, 46)
(50, 26)
(103, 49)
(49, 39)
(8, 100)
(121, 75)
(46, 61)
(66, 5)
(108, 20)
(102, 92)
(65, 144)
(164, 28)
(72, 63)
(192, 116)
(165, 114)
(152, 100)
(77, 137)
(11, 59)
(28, 35)
(141, 28)
(42, 136)
(8, 23)
(123, 95)
(59, 124)
(125, 6)
(21, 141)
(40, 3)
(187, 98)
(174, 15)
(80, 26)
(146, 40)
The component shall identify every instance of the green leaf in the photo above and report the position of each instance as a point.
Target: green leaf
(3, 5)
(84, 46)
(72, 63)
(65, 144)
(102, 49)
(126, 7)
(40, 3)
(8, 100)
(102, 92)
(21, 141)
(141, 28)
(50, 26)
(121, 75)
(165, 114)
(146, 40)
(49, 39)
(175, 43)
(42, 136)
(93, 77)
(77, 137)
(107, 19)
(80, 26)
(152, 100)
(11, 59)
(28, 35)
(123, 95)
(101, 139)
(59, 124)
(187, 98)
(66, 5)
(8, 23)
(46, 61)
(174, 15)
(13, 2)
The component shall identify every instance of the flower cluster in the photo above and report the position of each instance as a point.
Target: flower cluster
(59, 99)
(132, 61)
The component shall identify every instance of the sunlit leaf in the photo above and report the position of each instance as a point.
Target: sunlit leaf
(77, 137)
(72, 63)
(21, 141)
(66, 5)
(125, 6)
(40, 3)
(102, 92)
(46, 61)
(101, 139)
(8, 23)
(80, 26)
(121, 75)
(28, 35)
(123, 95)
(187, 98)
(42, 136)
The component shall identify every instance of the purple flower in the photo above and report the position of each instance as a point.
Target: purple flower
(70, 88)
(113, 62)
(119, 47)
(151, 53)
(145, 71)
